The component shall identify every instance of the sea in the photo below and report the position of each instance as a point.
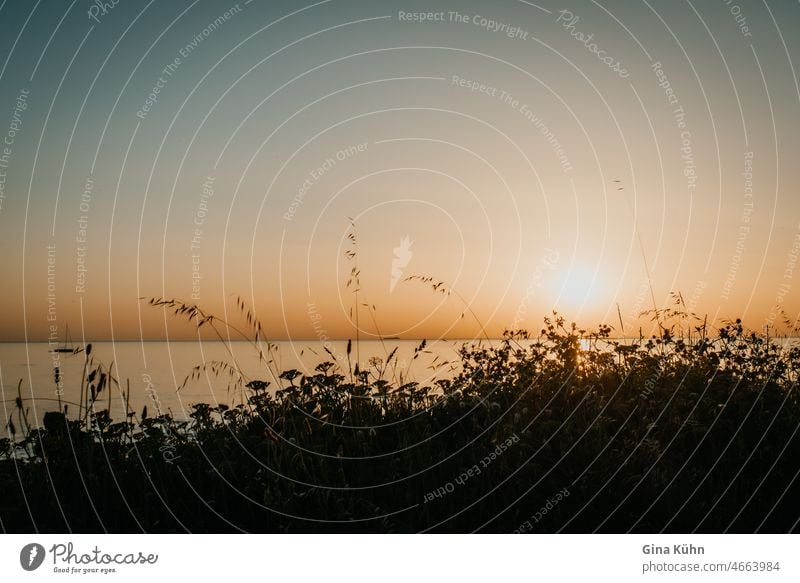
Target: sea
(171, 377)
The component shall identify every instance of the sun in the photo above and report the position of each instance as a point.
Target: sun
(579, 287)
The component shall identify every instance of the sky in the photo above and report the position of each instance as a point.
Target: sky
(590, 158)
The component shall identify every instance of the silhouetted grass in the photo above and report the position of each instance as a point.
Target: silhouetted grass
(686, 431)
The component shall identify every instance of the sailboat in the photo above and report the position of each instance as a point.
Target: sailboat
(67, 347)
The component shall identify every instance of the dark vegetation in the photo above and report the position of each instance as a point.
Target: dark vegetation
(689, 430)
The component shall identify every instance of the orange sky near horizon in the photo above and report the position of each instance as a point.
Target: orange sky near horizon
(529, 157)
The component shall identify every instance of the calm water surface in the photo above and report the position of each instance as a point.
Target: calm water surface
(155, 370)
